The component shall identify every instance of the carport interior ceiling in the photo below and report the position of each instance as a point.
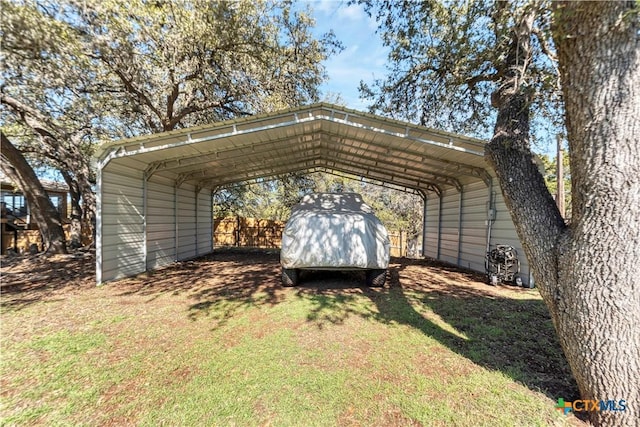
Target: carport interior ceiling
(319, 137)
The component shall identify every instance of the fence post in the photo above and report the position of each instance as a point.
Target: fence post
(236, 232)
(405, 243)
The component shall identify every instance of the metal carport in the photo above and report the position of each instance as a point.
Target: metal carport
(155, 191)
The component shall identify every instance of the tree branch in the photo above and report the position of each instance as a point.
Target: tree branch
(24, 110)
(544, 45)
(472, 81)
(144, 100)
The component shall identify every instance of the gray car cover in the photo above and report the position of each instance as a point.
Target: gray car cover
(334, 231)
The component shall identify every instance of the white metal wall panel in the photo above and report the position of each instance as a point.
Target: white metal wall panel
(161, 225)
(205, 223)
(186, 221)
(449, 227)
(431, 225)
(122, 221)
(474, 227)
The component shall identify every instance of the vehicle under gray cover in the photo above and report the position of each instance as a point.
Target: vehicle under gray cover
(334, 231)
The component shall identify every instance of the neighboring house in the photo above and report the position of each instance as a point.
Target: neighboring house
(16, 216)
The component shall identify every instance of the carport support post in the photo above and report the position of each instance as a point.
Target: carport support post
(213, 239)
(423, 195)
(175, 218)
(99, 225)
(197, 191)
(491, 215)
(145, 255)
(439, 223)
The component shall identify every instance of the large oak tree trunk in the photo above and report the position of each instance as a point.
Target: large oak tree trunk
(45, 214)
(588, 273)
(599, 267)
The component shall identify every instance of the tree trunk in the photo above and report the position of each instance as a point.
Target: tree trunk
(588, 273)
(599, 265)
(45, 214)
(533, 210)
(63, 149)
(88, 205)
(75, 237)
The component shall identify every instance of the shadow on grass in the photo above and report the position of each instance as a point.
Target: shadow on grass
(26, 280)
(221, 284)
(505, 329)
(513, 335)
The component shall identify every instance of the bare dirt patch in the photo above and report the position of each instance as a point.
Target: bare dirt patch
(26, 280)
(232, 274)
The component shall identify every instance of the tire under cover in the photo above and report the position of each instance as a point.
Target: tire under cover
(290, 276)
(376, 278)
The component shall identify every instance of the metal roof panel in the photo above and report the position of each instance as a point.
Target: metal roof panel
(320, 135)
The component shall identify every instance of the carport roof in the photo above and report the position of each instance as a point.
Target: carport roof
(319, 137)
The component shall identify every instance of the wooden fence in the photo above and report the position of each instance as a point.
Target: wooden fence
(21, 240)
(264, 233)
(236, 231)
(247, 232)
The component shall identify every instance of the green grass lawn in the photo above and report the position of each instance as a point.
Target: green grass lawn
(218, 342)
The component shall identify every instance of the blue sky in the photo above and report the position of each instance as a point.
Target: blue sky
(363, 57)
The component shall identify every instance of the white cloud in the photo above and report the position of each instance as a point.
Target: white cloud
(353, 13)
(339, 11)
(327, 7)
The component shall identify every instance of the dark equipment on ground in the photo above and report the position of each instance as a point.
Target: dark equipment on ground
(502, 266)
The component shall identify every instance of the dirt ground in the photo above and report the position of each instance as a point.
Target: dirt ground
(28, 279)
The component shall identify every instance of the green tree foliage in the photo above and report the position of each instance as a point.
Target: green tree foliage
(264, 199)
(79, 72)
(182, 63)
(47, 107)
(447, 57)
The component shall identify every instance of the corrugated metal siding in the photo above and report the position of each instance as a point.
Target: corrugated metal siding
(123, 226)
(186, 221)
(161, 226)
(205, 224)
(431, 224)
(474, 228)
(449, 228)
(122, 221)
